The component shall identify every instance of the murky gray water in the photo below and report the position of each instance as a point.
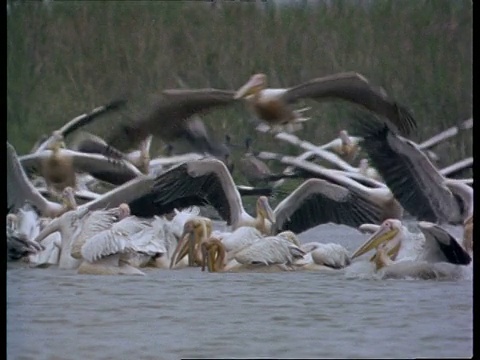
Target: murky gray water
(57, 314)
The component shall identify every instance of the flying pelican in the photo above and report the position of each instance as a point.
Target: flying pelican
(437, 245)
(171, 118)
(345, 146)
(89, 143)
(78, 122)
(415, 182)
(273, 105)
(21, 190)
(59, 165)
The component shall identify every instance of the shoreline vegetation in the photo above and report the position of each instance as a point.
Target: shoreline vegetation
(66, 58)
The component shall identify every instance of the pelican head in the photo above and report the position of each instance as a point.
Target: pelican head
(256, 83)
(68, 198)
(343, 135)
(289, 236)
(390, 231)
(124, 211)
(264, 209)
(213, 254)
(56, 142)
(200, 228)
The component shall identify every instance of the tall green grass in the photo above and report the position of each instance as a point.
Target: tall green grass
(69, 57)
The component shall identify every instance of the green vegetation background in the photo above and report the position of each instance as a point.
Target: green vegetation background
(65, 58)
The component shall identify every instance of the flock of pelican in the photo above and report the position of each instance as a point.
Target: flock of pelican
(105, 206)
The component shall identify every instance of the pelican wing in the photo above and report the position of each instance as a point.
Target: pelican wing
(318, 202)
(103, 168)
(200, 182)
(269, 251)
(115, 240)
(137, 193)
(19, 187)
(331, 255)
(412, 178)
(83, 120)
(353, 87)
(440, 245)
(167, 117)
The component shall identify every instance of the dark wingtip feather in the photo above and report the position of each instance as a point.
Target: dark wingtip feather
(407, 122)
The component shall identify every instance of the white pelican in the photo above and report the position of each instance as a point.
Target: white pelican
(88, 143)
(108, 252)
(273, 105)
(59, 165)
(19, 244)
(415, 182)
(365, 169)
(321, 256)
(78, 225)
(437, 245)
(345, 146)
(195, 231)
(386, 268)
(271, 253)
(313, 203)
(208, 181)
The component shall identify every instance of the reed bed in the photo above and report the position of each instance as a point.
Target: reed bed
(65, 58)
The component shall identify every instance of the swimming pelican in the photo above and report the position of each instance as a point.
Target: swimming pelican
(437, 245)
(273, 105)
(19, 244)
(77, 226)
(272, 253)
(386, 268)
(107, 252)
(412, 178)
(321, 256)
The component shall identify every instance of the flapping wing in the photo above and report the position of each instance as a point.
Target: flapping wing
(318, 202)
(353, 87)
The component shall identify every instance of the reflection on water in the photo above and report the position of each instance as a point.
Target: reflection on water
(57, 314)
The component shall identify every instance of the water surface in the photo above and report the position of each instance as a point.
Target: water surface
(57, 314)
